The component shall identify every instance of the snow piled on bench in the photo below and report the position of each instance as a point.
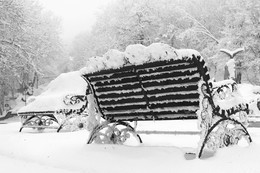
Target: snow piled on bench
(135, 55)
(52, 98)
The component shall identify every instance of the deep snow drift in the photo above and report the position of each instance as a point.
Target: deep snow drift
(30, 152)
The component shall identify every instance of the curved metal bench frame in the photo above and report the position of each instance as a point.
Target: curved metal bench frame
(38, 120)
(220, 119)
(207, 92)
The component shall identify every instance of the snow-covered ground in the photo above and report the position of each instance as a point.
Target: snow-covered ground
(67, 152)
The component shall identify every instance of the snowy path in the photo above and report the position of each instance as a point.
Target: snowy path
(30, 151)
(10, 165)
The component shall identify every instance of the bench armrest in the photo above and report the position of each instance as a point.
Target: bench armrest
(74, 99)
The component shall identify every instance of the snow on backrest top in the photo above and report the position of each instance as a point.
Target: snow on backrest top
(52, 98)
(186, 53)
(135, 55)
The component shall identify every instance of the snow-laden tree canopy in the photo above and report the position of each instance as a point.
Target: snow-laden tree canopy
(29, 46)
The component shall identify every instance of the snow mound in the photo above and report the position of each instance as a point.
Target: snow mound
(223, 82)
(252, 95)
(161, 51)
(52, 98)
(135, 55)
(114, 58)
(256, 90)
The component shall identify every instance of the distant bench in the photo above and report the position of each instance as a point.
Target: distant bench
(60, 119)
(174, 89)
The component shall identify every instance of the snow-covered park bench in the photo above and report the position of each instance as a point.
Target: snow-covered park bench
(60, 106)
(161, 83)
(150, 83)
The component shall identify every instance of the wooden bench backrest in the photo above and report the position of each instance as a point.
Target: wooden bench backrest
(160, 90)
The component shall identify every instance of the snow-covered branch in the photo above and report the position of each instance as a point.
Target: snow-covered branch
(10, 43)
(202, 28)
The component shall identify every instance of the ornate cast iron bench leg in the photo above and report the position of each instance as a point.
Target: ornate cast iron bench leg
(78, 123)
(113, 133)
(72, 119)
(107, 132)
(220, 127)
(221, 135)
(40, 122)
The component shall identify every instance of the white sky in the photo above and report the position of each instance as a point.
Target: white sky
(77, 15)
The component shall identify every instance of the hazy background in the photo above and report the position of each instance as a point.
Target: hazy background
(76, 15)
